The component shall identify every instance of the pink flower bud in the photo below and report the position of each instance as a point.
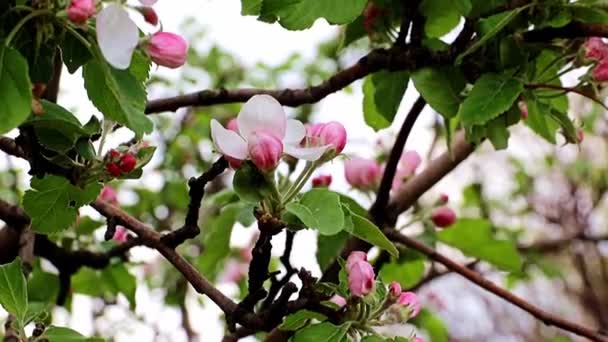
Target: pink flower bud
(246, 254)
(127, 162)
(443, 217)
(523, 109)
(407, 166)
(168, 49)
(354, 257)
(333, 133)
(79, 11)
(120, 235)
(418, 339)
(149, 14)
(596, 49)
(600, 72)
(113, 169)
(360, 278)
(580, 135)
(265, 150)
(410, 301)
(394, 289)
(233, 125)
(443, 198)
(313, 130)
(233, 272)
(338, 300)
(321, 181)
(108, 194)
(364, 174)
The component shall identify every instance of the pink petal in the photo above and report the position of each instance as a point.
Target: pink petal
(228, 143)
(262, 112)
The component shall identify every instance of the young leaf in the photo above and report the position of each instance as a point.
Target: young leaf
(441, 88)
(52, 203)
(498, 133)
(57, 129)
(302, 14)
(251, 7)
(492, 95)
(118, 94)
(15, 89)
(474, 238)
(539, 119)
(325, 206)
(323, 332)
(13, 290)
(353, 32)
(62, 334)
(299, 319)
(373, 118)
(367, 231)
(42, 286)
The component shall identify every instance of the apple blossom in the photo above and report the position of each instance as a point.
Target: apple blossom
(443, 217)
(363, 174)
(79, 11)
(167, 49)
(263, 116)
(394, 289)
(410, 301)
(596, 49)
(321, 181)
(360, 278)
(265, 150)
(410, 160)
(108, 194)
(418, 339)
(120, 235)
(117, 36)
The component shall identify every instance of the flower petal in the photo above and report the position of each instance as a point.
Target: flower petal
(294, 132)
(117, 36)
(228, 143)
(148, 2)
(262, 112)
(306, 153)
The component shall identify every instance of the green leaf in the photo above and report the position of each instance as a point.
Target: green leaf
(407, 271)
(494, 25)
(539, 119)
(118, 94)
(323, 332)
(373, 338)
(118, 280)
(492, 95)
(441, 88)
(365, 230)
(62, 334)
(250, 184)
(329, 247)
(15, 89)
(474, 238)
(353, 32)
(299, 319)
(74, 53)
(433, 325)
(53, 202)
(13, 290)
(498, 133)
(303, 213)
(382, 94)
(586, 14)
(441, 16)
(217, 241)
(251, 7)
(463, 6)
(325, 206)
(89, 282)
(36, 311)
(140, 66)
(43, 286)
(302, 14)
(481, 7)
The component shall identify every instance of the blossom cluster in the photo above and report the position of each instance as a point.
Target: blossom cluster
(597, 50)
(118, 35)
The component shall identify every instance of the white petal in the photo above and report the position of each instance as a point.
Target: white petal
(262, 112)
(148, 2)
(117, 36)
(294, 132)
(228, 143)
(306, 153)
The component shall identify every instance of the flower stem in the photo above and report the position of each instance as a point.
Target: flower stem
(22, 22)
(300, 181)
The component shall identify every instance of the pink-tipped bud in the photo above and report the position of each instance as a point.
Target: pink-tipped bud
(418, 339)
(108, 194)
(360, 278)
(265, 150)
(596, 49)
(113, 169)
(394, 289)
(580, 135)
(338, 300)
(443, 217)
(443, 198)
(233, 125)
(149, 15)
(523, 109)
(120, 235)
(600, 72)
(354, 257)
(233, 272)
(410, 301)
(127, 162)
(334, 134)
(168, 49)
(321, 181)
(79, 11)
(410, 160)
(246, 254)
(363, 174)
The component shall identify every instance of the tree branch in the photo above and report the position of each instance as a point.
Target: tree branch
(545, 317)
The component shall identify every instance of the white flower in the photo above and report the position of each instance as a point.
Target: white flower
(262, 113)
(117, 36)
